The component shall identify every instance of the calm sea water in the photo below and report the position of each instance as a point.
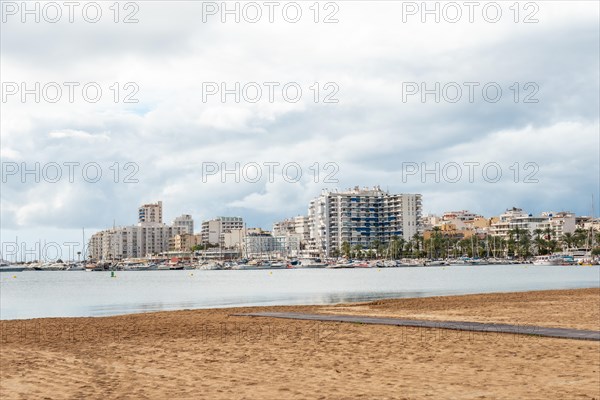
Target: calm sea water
(38, 294)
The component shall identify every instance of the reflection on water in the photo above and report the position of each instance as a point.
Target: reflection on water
(69, 294)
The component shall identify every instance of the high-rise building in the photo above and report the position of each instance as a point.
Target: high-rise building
(150, 213)
(149, 237)
(360, 217)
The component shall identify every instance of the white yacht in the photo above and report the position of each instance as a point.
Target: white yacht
(554, 259)
(311, 263)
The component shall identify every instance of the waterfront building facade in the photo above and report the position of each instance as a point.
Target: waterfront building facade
(184, 242)
(298, 226)
(132, 241)
(265, 245)
(360, 217)
(558, 223)
(516, 219)
(149, 237)
(213, 230)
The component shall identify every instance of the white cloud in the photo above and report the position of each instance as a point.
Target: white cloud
(77, 134)
(170, 132)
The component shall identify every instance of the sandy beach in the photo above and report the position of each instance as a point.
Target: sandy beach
(210, 354)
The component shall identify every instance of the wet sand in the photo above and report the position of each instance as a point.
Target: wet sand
(211, 354)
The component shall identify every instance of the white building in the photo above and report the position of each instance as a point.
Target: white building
(462, 215)
(283, 227)
(151, 212)
(360, 217)
(234, 239)
(299, 226)
(186, 221)
(265, 245)
(559, 223)
(148, 237)
(132, 241)
(515, 218)
(213, 230)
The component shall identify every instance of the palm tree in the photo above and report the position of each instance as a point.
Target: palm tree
(552, 245)
(568, 239)
(401, 243)
(548, 231)
(436, 242)
(395, 247)
(525, 244)
(465, 247)
(580, 237)
(510, 243)
(419, 242)
(539, 241)
(357, 250)
(346, 249)
(408, 246)
(376, 246)
(497, 244)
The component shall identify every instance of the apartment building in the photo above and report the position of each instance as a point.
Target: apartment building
(298, 226)
(360, 216)
(559, 223)
(213, 230)
(149, 237)
(264, 244)
(462, 215)
(186, 221)
(150, 213)
(184, 242)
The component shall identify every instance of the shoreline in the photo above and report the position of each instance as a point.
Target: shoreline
(88, 295)
(260, 308)
(208, 353)
(341, 305)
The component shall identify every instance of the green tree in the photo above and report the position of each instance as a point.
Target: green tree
(580, 236)
(357, 250)
(568, 240)
(525, 244)
(375, 246)
(539, 241)
(346, 249)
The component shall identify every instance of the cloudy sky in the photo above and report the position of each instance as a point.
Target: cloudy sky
(541, 132)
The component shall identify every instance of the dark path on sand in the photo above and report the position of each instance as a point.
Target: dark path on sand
(563, 333)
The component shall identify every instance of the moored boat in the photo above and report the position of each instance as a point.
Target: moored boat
(11, 268)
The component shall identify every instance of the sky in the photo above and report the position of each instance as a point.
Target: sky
(483, 109)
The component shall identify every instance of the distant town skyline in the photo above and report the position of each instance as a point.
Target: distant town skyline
(165, 229)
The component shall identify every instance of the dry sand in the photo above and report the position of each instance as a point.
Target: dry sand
(208, 354)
